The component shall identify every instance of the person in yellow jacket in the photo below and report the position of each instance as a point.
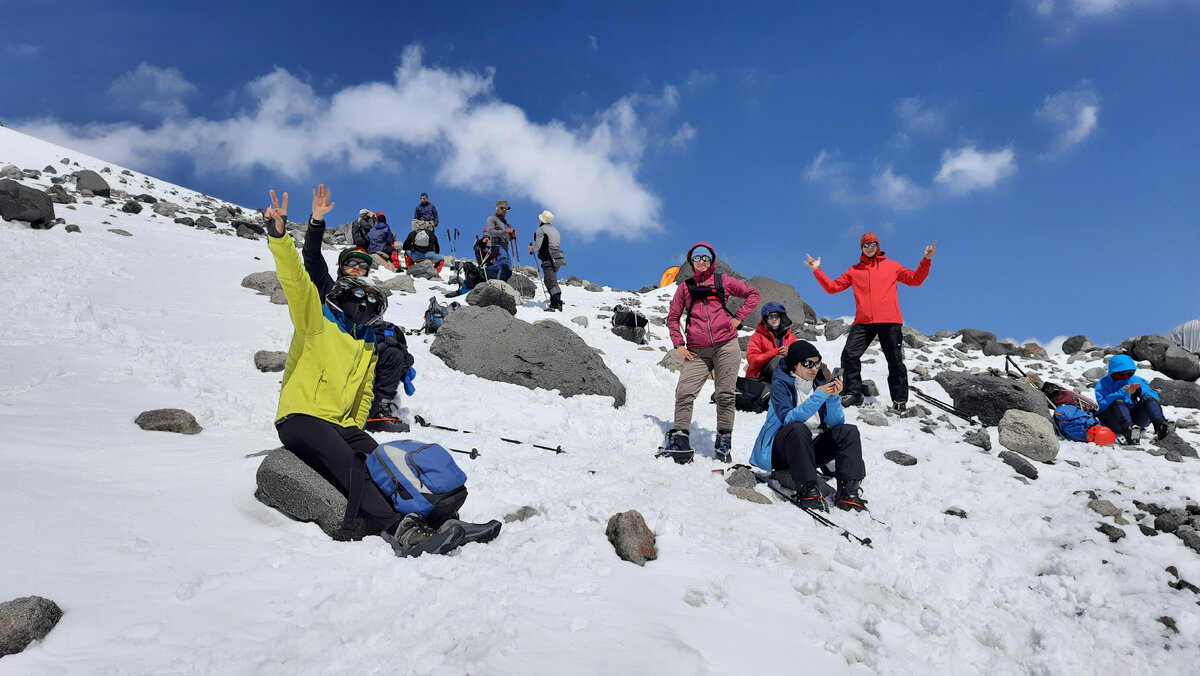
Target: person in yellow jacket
(326, 391)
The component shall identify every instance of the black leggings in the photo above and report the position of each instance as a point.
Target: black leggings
(795, 449)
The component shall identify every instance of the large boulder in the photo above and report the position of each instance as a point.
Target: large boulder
(424, 268)
(772, 290)
(286, 483)
(1165, 356)
(1077, 344)
(523, 285)
(976, 338)
(86, 179)
(264, 282)
(490, 343)
(495, 293)
(1177, 392)
(836, 328)
(164, 208)
(25, 620)
(1029, 434)
(20, 203)
(990, 396)
(999, 348)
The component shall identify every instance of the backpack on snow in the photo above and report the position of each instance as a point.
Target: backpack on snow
(623, 316)
(435, 315)
(418, 478)
(1072, 422)
(751, 394)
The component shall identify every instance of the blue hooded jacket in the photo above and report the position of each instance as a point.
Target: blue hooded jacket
(380, 237)
(1109, 391)
(783, 410)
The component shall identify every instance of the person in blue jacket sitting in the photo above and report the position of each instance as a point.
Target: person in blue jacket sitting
(806, 428)
(1128, 403)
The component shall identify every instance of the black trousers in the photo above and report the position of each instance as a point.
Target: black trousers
(1119, 417)
(891, 340)
(393, 363)
(795, 449)
(330, 449)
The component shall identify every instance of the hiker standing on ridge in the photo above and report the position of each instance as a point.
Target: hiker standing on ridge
(710, 344)
(877, 315)
(425, 216)
(500, 233)
(547, 243)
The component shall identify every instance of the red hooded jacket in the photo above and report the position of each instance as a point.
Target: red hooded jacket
(763, 347)
(710, 325)
(874, 281)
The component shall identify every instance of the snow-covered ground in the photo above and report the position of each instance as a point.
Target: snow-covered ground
(163, 561)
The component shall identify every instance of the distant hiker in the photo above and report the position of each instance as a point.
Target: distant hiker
(877, 315)
(395, 364)
(500, 233)
(423, 245)
(326, 391)
(769, 344)
(381, 243)
(1061, 396)
(710, 344)
(547, 244)
(1187, 335)
(1128, 403)
(360, 229)
(425, 217)
(793, 439)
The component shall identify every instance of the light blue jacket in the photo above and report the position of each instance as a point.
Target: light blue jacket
(1109, 391)
(783, 411)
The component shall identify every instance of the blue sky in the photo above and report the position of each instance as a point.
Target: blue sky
(1050, 146)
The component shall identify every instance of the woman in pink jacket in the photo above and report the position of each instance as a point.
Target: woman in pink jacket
(710, 345)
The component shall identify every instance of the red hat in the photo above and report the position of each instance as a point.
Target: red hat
(869, 237)
(380, 215)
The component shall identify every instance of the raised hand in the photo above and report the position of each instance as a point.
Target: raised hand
(812, 263)
(930, 250)
(276, 213)
(321, 204)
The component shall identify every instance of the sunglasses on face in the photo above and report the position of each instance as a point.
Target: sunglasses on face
(773, 316)
(356, 263)
(810, 363)
(701, 259)
(870, 245)
(1122, 375)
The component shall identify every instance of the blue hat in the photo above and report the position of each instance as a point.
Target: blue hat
(772, 306)
(702, 250)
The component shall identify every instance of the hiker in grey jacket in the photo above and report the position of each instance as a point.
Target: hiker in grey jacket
(360, 229)
(547, 244)
(500, 233)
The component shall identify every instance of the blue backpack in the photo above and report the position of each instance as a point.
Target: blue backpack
(414, 475)
(1072, 422)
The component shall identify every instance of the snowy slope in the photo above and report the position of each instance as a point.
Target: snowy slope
(163, 561)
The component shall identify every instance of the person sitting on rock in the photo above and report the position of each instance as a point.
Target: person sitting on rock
(1061, 396)
(381, 243)
(793, 438)
(709, 346)
(423, 245)
(326, 390)
(1128, 403)
(395, 364)
(769, 344)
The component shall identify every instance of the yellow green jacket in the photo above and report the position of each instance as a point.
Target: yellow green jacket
(331, 362)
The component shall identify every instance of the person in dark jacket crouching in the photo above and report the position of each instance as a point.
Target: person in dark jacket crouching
(326, 392)
(806, 428)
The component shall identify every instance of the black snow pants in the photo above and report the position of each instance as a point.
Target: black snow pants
(891, 340)
(795, 449)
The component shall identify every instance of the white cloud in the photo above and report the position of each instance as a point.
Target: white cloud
(1079, 7)
(829, 168)
(586, 175)
(967, 169)
(700, 79)
(683, 136)
(156, 91)
(594, 43)
(918, 116)
(898, 192)
(22, 51)
(1076, 111)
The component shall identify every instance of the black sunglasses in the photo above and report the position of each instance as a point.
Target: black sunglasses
(701, 259)
(356, 263)
(810, 363)
(773, 315)
(868, 245)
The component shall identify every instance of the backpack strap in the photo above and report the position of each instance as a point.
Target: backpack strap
(358, 474)
(717, 289)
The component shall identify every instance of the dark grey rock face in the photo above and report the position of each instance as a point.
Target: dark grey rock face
(86, 179)
(1165, 356)
(131, 207)
(490, 343)
(1076, 344)
(779, 292)
(989, 396)
(494, 293)
(20, 203)
(900, 458)
(265, 282)
(976, 338)
(25, 620)
(523, 285)
(631, 537)
(289, 485)
(1111, 531)
(999, 348)
(978, 437)
(168, 420)
(836, 329)
(1177, 392)
(425, 269)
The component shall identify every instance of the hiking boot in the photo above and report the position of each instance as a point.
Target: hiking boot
(849, 400)
(474, 532)
(849, 496)
(557, 305)
(678, 447)
(385, 417)
(723, 448)
(809, 497)
(1132, 435)
(414, 537)
(899, 406)
(1162, 428)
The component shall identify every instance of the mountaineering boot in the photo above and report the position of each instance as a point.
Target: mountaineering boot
(809, 497)
(899, 406)
(385, 417)
(1132, 435)
(849, 496)
(723, 447)
(1162, 428)
(474, 532)
(849, 400)
(557, 304)
(414, 537)
(678, 447)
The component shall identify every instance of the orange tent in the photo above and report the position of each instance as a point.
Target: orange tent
(668, 276)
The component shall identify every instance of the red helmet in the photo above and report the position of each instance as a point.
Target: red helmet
(1101, 435)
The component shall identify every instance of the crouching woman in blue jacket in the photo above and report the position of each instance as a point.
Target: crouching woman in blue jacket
(1128, 403)
(806, 428)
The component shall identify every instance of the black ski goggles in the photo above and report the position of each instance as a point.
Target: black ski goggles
(778, 316)
(356, 263)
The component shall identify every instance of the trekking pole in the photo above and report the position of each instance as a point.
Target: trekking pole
(474, 453)
(949, 408)
(425, 423)
(1009, 360)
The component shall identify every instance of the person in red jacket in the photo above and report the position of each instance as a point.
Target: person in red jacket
(710, 345)
(770, 342)
(876, 315)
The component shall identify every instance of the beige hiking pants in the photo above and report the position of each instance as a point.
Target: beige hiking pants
(723, 361)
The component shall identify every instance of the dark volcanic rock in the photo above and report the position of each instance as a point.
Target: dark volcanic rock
(631, 537)
(900, 458)
(20, 203)
(1177, 392)
(772, 290)
(1165, 356)
(975, 337)
(989, 396)
(25, 620)
(1023, 466)
(168, 420)
(86, 179)
(288, 484)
